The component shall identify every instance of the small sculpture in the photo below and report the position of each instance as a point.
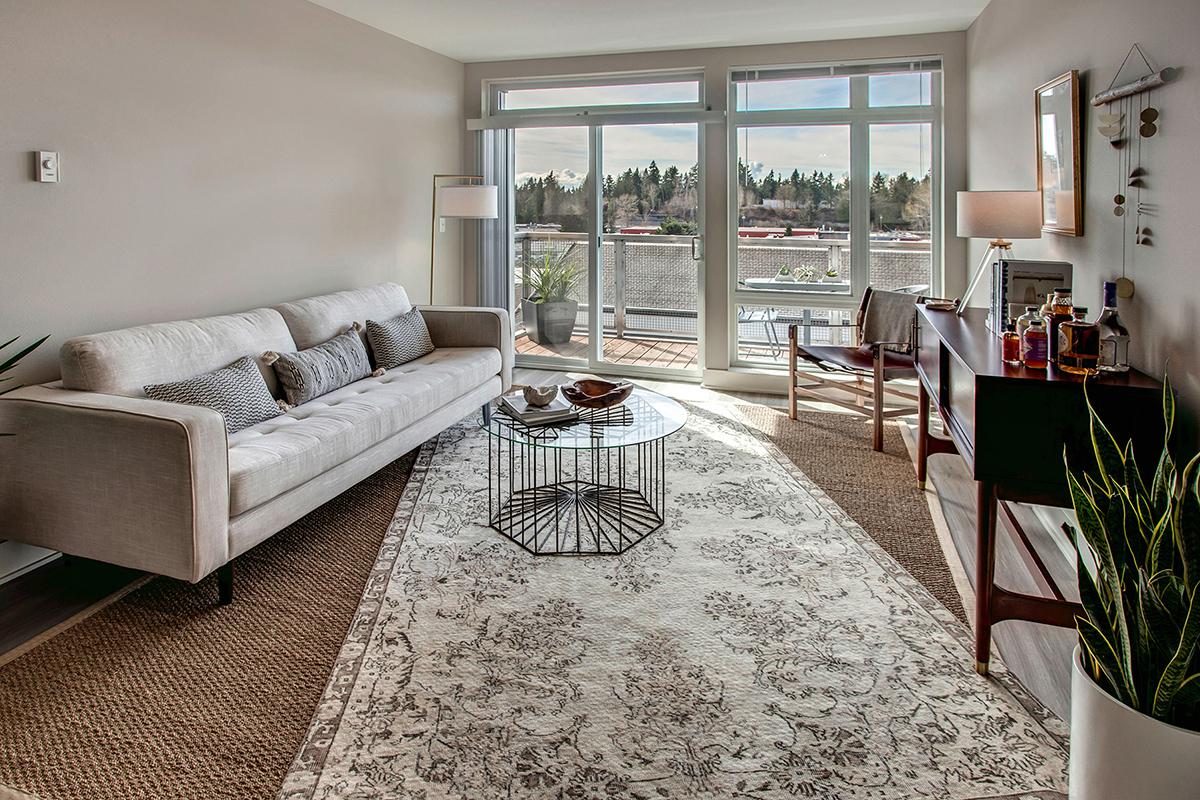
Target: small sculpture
(540, 396)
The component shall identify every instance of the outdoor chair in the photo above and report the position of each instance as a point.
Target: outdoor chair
(884, 335)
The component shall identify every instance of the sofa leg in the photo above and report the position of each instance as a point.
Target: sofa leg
(225, 584)
(487, 413)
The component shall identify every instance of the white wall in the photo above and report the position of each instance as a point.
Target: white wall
(216, 156)
(1016, 45)
(716, 63)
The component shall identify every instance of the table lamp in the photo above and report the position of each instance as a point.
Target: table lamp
(467, 201)
(998, 216)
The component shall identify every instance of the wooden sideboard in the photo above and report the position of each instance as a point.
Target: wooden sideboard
(1011, 426)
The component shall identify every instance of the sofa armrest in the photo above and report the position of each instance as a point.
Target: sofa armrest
(465, 326)
(129, 481)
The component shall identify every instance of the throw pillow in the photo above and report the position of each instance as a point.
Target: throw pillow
(400, 339)
(237, 391)
(319, 370)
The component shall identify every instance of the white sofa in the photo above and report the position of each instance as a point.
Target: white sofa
(98, 470)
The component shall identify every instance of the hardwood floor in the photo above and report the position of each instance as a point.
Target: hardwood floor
(37, 601)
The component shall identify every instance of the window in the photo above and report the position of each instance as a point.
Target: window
(837, 188)
(600, 95)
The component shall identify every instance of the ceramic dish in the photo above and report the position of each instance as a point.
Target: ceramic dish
(596, 393)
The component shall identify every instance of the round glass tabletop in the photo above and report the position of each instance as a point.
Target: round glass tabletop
(645, 416)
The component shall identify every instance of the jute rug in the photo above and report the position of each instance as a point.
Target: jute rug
(759, 645)
(165, 695)
(878, 490)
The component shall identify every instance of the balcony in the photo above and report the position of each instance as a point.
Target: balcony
(650, 293)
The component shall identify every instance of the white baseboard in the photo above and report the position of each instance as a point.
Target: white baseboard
(16, 559)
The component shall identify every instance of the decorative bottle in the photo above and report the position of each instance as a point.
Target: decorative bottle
(1033, 345)
(1010, 344)
(1060, 312)
(1079, 344)
(1114, 338)
(1031, 313)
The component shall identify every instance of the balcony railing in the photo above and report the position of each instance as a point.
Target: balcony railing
(649, 281)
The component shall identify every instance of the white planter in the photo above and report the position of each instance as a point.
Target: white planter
(1121, 754)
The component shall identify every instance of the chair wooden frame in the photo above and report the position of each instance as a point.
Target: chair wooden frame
(868, 402)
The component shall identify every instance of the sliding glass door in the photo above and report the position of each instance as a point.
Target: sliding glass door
(607, 272)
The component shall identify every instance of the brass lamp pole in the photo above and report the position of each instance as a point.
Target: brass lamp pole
(461, 214)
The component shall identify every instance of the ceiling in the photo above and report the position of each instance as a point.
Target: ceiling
(487, 30)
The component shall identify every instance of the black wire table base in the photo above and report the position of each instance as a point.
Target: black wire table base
(598, 501)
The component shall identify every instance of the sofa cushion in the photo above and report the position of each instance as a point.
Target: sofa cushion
(236, 392)
(124, 361)
(399, 340)
(272, 457)
(319, 370)
(318, 319)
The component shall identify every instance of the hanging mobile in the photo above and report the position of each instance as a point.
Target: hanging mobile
(1149, 117)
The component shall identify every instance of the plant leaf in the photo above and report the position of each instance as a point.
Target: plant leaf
(1187, 524)
(1108, 454)
(1164, 473)
(1104, 657)
(1176, 670)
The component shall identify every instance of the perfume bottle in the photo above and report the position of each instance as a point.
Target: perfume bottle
(1060, 312)
(1079, 344)
(1114, 338)
(1010, 345)
(1031, 313)
(1033, 345)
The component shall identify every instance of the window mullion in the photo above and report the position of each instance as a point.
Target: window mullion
(860, 205)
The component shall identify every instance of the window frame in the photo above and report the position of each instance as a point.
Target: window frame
(859, 116)
(493, 92)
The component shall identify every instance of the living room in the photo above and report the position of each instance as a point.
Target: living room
(511, 400)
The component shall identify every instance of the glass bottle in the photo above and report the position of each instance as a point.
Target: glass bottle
(1079, 344)
(1033, 345)
(1114, 338)
(1031, 313)
(1010, 344)
(1060, 312)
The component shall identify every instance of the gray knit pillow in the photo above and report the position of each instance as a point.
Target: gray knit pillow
(319, 370)
(237, 391)
(399, 340)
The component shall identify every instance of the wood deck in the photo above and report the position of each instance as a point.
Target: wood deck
(627, 351)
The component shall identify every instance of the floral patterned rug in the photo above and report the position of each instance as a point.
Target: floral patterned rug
(759, 645)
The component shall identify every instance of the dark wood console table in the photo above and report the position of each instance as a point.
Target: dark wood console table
(1010, 425)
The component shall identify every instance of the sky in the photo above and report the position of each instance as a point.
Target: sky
(894, 148)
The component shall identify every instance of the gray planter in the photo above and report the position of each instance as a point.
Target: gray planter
(550, 323)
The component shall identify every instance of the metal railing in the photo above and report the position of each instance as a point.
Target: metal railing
(648, 281)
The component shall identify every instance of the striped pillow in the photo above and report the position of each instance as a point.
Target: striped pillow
(399, 340)
(319, 370)
(237, 391)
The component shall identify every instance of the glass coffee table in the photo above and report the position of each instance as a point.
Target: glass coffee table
(593, 487)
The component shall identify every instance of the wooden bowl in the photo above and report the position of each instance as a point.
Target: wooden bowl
(596, 393)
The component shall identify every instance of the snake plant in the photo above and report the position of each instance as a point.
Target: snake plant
(1141, 622)
(11, 363)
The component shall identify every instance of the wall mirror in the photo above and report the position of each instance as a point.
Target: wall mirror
(1059, 165)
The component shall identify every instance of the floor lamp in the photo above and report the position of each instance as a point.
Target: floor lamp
(465, 201)
(995, 216)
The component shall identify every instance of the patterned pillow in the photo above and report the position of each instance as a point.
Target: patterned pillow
(319, 370)
(237, 391)
(399, 340)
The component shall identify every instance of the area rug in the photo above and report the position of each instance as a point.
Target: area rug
(759, 645)
(164, 694)
(877, 490)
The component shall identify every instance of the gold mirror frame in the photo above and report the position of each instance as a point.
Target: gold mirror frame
(1076, 201)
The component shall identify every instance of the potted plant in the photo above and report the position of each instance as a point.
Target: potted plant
(785, 275)
(548, 310)
(1135, 686)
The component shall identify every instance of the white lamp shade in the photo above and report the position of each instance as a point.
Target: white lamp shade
(468, 202)
(1000, 215)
